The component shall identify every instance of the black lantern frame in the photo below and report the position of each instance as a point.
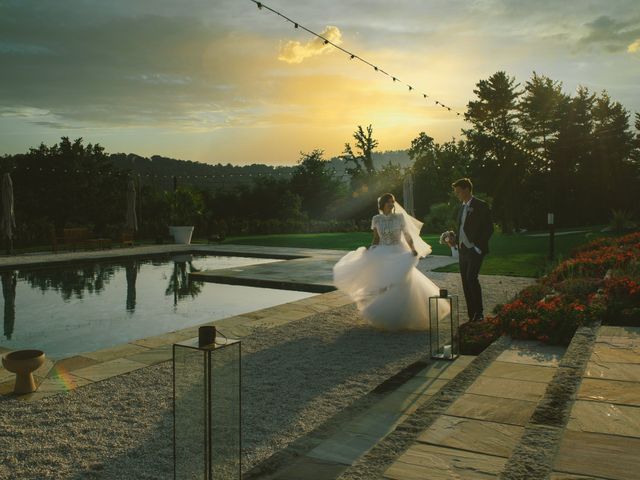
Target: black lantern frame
(444, 323)
(207, 415)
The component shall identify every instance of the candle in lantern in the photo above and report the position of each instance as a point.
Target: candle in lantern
(447, 351)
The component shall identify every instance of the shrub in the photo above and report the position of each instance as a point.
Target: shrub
(441, 217)
(476, 336)
(575, 293)
(621, 220)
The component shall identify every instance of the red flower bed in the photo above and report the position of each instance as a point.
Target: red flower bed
(595, 263)
(574, 294)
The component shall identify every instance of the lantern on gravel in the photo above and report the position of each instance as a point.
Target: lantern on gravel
(206, 408)
(444, 323)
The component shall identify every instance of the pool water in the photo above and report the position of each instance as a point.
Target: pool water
(67, 310)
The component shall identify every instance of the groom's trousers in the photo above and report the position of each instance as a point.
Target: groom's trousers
(470, 263)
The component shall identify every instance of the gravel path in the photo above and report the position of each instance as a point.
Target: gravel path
(295, 377)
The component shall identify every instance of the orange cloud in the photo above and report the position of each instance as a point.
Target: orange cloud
(295, 52)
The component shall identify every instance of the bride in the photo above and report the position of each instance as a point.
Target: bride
(390, 292)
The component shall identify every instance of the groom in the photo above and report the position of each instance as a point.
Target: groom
(475, 227)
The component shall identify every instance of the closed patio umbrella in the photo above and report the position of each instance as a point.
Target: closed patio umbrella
(407, 194)
(132, 219)
(8, 221)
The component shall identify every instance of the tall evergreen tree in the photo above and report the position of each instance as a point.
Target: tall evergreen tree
(540, 111)
(616, 172)
(496, 167)
(571, 153)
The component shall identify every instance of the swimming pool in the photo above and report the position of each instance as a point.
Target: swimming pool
(65, 310)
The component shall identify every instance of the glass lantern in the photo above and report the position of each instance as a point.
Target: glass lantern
(206, 410)
(444, 322)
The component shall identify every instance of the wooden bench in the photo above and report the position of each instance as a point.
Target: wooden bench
(127, 239)
(77, 237)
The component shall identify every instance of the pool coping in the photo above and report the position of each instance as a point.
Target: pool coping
(64, 375)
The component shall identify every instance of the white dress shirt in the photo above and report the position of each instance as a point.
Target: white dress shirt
(464, 240)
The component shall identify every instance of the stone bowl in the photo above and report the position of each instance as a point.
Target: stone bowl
(23, 363)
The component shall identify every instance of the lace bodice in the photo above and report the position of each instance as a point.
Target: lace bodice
(389, 227)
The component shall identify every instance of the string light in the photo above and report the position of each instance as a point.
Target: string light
(237, 176)
(353, 56)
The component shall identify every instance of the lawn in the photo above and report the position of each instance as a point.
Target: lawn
(516, 255)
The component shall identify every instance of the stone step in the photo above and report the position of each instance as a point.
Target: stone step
(475, 436)
(397, 400)
(602, 436)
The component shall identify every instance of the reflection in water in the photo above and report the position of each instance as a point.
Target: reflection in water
(71, 281)
(66, 310)
(132, 268)
(9, 283)
(180, 284)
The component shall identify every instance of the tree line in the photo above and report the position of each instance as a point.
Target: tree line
(589, 170)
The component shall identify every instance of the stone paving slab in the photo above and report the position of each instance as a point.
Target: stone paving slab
(111, 353)
(533, 353)
(109, 369)
(361, 433)
(153, 356)
(445, 369)
(568, 476)
(515, 371)
(608, 456)
(430, 462)
(492, 409)
(611, 331)
(613, 371)
(614, 391)
(473, 435)
(508, 388)
(422, 385)
(603, 352)
(343, 447)
(600, 417)
(70, 364)
(618, 341)
(308, 468)
(602, 438)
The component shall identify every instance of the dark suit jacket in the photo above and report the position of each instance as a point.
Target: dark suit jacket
(478, 225)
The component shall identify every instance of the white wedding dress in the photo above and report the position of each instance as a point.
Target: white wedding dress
(390, 292)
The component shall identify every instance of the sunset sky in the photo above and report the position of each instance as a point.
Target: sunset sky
(221, 81)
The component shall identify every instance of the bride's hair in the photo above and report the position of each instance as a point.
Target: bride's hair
(383, 199)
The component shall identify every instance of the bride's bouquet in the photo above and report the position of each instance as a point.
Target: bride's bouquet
(448, 238)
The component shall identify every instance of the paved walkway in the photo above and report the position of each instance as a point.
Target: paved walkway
(311, 273)
(359, 434)
(602, 438)
(476, 435)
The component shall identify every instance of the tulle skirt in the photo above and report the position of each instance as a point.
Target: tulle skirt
(390, 292)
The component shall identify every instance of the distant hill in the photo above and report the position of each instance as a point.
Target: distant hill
(160, 171)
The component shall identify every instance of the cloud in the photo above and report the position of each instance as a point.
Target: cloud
(611, 34)
(295, 52)
(634, 47)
